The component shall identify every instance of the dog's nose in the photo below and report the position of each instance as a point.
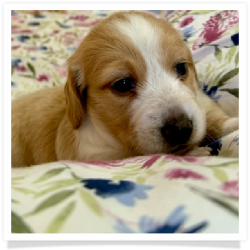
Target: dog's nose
(177, 130)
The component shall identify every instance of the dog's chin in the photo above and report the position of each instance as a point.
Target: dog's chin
(162, 147)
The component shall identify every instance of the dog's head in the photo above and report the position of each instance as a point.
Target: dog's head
(134, 74)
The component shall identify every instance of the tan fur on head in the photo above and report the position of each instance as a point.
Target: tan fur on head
(74, 102)
(90, 119)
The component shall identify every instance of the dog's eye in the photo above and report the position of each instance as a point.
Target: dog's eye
(124, 85)
(181, 69)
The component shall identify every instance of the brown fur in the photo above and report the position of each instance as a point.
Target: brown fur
(45, 123)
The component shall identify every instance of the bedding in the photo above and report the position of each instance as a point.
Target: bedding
(147, 194)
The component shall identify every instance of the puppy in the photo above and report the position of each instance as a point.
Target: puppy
(132, 89)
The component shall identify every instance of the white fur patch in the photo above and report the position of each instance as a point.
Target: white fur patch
(162, 89)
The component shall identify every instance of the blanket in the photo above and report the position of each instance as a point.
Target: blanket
(146, 194)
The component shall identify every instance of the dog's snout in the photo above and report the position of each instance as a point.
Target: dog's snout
(177, 130)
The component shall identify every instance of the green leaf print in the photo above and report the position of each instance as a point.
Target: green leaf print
(199, 75)
(231, 53)
(218, 54)
(61, 218)
(51, 173)
(236, 60)
(89, 200)
(32, 69)
(217, 78)
(46, 41)
(234, 92)
(76, 177)
(209, 66)
(56, 77)
(201, 12)
(23, 190)
(140, 180)
(52, 201)
(220, 174)
(18, 225)
(27, 76)
(232, 164)
(227, 153)
(228, 76)
(55, 186)
(17, 178)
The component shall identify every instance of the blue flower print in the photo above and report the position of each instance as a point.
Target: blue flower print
(215, 146)
(188, 32)
(39, 16)
(173, 224)
(34, 23)
(211, 92)
(15, 62)
(157, 12)
(124, 191)
(121, 227)
(13, 84)
(71, 49)
(236, 140)
(41, 47)
(22, 38)
(169, 12)
(235, 39)
(65, 26)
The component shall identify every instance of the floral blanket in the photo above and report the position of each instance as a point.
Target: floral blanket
(150, 194)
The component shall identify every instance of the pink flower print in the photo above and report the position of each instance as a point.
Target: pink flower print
(198, 43)
(15, 17)
(62, 71)
(87, 24)
(186, 21)
(33, 12)
(211, 34)
(21, 69)
(216, 26)
(30, 48)
(71, 40)
(80, 18)
(231, 188)
(191, 159)
(54, 32)
(182, 173)
(68, 40)
(14, 27)
(43, 77)
(145, 161)
(15, 47)
(25, 31)
(229, 18)
(151, 161)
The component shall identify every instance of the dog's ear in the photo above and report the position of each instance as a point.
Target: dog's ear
(74, 99)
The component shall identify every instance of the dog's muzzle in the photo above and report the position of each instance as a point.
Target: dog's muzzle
(177, 129)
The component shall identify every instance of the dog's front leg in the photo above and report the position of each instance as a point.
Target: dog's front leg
(218, 123)
(199, 151)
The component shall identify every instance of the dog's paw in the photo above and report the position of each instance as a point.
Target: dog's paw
(231, 125)
(200, 151)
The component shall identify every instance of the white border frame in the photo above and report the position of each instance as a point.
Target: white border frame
(6, 62)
